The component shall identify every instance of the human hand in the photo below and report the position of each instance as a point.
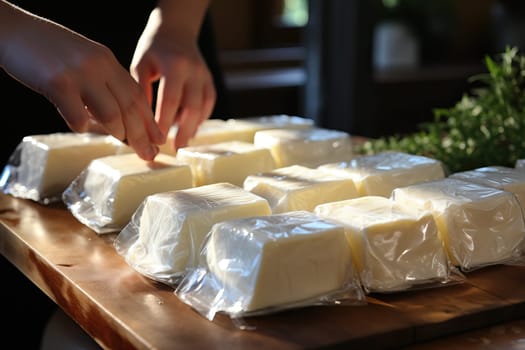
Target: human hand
(82, 78)
(186, 93)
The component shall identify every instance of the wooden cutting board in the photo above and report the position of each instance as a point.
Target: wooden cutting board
(82, 272)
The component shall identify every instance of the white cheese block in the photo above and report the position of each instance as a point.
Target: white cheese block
(379, 174)
(107, 193)
(226, 161)
(394, 247)
(168, 228)
(479, 225)
(42, 166)
(211, 131)
(299, 188)
(503, 178)
(277, 260)
(308, 147)
(277, 121)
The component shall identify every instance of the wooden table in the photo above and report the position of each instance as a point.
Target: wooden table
(121, 309)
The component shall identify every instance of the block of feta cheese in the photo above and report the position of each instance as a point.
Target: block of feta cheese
(107, 192)
(503, 178)
(164, 236)
(42, 166)
(277, 121)
(479, 225)
(308, 147)
(379, 174)
(394, 247)
(211, 131)
(228, 161)
(260, 264)
(299, 188)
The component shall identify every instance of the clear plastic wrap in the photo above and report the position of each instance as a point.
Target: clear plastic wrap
(228, 161)
(211, 131)
(503, 178)
(163, 239)
(42, 166)
(299, 188)
(309, 147)
(107, 192)
(379, 174)
(261, 265)
(275, 121)
(395, 248)
(479, 225)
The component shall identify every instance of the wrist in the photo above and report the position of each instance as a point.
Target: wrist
(182, 18)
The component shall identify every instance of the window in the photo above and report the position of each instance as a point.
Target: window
(261, 51)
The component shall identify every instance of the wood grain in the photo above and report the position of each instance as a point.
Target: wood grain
(120, 308)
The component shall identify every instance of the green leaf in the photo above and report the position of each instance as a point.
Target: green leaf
(485, 127)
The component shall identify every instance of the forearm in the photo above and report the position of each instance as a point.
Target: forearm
(9, 16)
(183, 17)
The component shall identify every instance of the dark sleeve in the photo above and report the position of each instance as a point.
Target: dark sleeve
(210, 52)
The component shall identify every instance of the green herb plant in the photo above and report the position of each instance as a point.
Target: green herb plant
(486, 127)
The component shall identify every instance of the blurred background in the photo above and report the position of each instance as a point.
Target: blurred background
(372, 68)
(369, 67)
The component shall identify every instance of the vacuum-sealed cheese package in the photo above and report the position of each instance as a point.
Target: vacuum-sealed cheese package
(163, 239)
(479, 225)
(503, 178)
(229, 161)
(309, 147)
(260, 265)
(209, 132)
(297, 187)
(42, 166)
(107, 192)
(379, 174)
(395, 248)
(272, 121)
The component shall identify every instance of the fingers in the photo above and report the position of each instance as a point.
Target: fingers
(189, 117)
(122, 108)
(145, 76)
(137, 118)
(119, 107)
(202, 112)
(95, 127)
(197, 99)
(210, 97)
(168, 102)
(186, 93)
(105, 109)
(73, 111)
